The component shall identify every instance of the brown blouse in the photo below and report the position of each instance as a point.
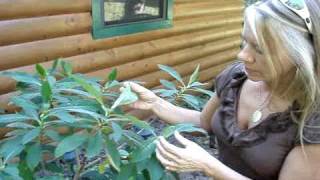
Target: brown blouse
(258, 152)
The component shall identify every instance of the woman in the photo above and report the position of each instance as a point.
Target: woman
(265, 113)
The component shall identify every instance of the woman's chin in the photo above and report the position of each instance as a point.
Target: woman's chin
(254, 77)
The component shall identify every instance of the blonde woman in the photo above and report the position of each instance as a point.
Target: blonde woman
(265, 115)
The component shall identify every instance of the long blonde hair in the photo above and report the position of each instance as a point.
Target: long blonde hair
(283, 34)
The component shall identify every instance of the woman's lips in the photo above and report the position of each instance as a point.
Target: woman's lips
(249, 70)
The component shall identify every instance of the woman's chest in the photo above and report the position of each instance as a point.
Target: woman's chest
(254, 104)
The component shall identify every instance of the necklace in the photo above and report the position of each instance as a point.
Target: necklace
(257, 114)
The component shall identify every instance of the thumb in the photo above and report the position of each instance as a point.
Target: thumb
(181, 139)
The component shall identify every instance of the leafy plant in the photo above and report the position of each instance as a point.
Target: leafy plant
(99, 142)
(183, 94)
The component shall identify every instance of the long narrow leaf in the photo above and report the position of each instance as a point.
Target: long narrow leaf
(70, 143)
(22, 77)
(126, 97)
(172, 72)
(194, 76)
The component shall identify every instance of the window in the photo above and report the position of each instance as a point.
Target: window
(120, 17)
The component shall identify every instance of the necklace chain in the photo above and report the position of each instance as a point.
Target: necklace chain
(257, 114)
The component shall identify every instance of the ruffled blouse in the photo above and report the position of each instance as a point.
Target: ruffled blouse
(260, 151)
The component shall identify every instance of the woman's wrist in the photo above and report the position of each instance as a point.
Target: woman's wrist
(208, 165)
(158, 104)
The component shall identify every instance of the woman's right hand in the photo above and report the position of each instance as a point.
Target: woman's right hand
(147, 98)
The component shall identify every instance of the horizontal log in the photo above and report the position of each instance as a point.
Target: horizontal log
(147, 65)
(152, 79)
(13, 9)
(113, 57)
(204, 1)
(19, 31)
(45, 50)
(209, 11)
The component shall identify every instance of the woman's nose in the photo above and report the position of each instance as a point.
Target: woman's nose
(246, 56)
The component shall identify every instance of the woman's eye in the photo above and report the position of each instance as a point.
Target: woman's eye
(258, 50)
(242, 45)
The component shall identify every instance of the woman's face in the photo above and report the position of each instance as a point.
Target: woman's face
(256, 66)
(252, 56)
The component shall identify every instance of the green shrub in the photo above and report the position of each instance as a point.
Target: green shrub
(99, 135)
(183, 94)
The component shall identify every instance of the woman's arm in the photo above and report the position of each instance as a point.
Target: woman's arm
(171, 113)
(174, 114)
(299, 165)
(212, 167)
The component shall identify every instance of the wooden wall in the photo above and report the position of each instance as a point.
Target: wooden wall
(205, 32)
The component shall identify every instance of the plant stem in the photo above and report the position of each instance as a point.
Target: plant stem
(79, 165)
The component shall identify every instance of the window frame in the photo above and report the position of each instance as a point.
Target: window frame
(101, 30)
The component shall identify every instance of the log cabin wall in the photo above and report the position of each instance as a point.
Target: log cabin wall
(204, 32)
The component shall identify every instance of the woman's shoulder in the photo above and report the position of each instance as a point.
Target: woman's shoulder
(224, 78)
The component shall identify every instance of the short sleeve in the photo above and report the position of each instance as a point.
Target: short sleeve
(224, 78)
(311, 130)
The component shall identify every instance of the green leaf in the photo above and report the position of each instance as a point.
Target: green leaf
(9, 118)
(195, 84)
(112, 75)
(126, 97)
(133, 138)
(70, 143)
(125, 172)
(67, 68)
(41, 71)
(117, 132)
(192, 101)
(27, 106)
(210, 93)
(13, 171)
(165, 92)
(168, 84)
(53, 135)
(11, 148)
(95, 92)
(139, 123)
(22, 77)
(110, 84)
(145, 151)
(31, 135)
(95, 144)
(65, 117)
(113, 154)
(46, 92)
(78, 109)
(183, 127)
(20, 125)
(54, 66)
(172, 72)
(154, 168)
(24, 170)
(195, 76)
(34, 156)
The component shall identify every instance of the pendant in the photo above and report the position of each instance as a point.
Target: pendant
(256, 116)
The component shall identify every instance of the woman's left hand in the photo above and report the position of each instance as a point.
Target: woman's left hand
(190, 158)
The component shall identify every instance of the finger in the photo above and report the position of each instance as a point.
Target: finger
(181, 139)
(165, 162)
(169, 147)
(166, 154)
